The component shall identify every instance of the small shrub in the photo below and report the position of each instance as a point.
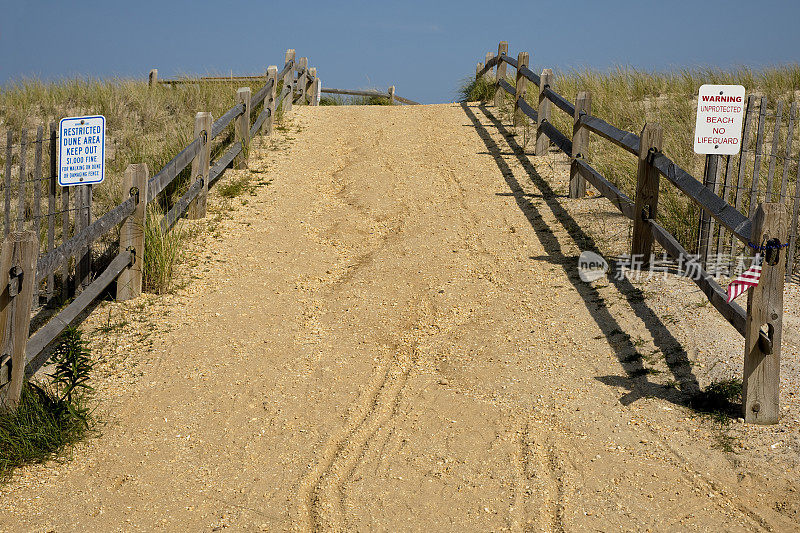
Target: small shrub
(235, 187)
(721, 399)
(480, 90)
(50, 417)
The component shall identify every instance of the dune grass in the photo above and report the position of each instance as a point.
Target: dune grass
(627, 98)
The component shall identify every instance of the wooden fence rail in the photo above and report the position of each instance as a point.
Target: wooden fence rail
(21, 272)
(767, 222)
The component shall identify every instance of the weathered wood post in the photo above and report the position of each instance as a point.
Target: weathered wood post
(391, 95)
(17, 279)
(316, 91)
(131, 235)
(288, 80)
(153, 78)
(542, 140)
(646, 202)
(478, 69)
(710, 180)
(489, 57)
(521, 89)
(242, 128)
(201, 164)
(763, 332)
(51, 205)
(580, 144)
(272, 74)
(311, 85)
(502, 50)
(302, 79)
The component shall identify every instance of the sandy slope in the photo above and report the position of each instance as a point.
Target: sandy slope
(391, 336)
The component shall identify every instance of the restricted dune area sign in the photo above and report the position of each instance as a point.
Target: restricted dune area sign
(81, 150)
(720, 109)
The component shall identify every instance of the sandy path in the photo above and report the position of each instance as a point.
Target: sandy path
(392, 337)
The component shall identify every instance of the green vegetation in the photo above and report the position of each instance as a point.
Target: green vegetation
(50, 417)
(627, 98)
(162, 252)
(337, 99)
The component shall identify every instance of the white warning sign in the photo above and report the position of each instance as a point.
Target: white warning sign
(720, 109)
(81, 150)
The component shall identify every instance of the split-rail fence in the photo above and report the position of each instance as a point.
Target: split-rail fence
(27, 275)
(767, 228)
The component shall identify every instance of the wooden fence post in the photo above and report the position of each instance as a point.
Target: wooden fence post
(580, 144)
(710, 180)
(201, 164)
(762, 345)
(391, 95)
(17, 279)
(153, 78)
(272, 74)
(288, 81)
(242, 128)
(51, 205)
(311, 85)
(542, 140)
(131, 235)
(521, 89)
(646, 203)
(478, 69)
(489, 57)
(502, 49)
(302, 79)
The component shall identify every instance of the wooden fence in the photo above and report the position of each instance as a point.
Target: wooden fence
(766, 229)
(27, 265)
(316, 89)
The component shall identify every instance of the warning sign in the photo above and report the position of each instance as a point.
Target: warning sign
(718, 129)
(81, 150)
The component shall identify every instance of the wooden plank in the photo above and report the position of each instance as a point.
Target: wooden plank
(35, 353)
(710, 180)
(606, 188)
(646, 201)
(171, 170)
(7, 191)
(703, 197)
(23, 156)
(272, 73)
(559, 101)
(773, 155)
(17, 275)
(716, 295)
(726, 187)
(624, 139)
(580, 144)
(526, 108)
(529, 74)
(242, 128)
(762, 112)
(520, 89)
(223, 162)
(787, 153)
(179, 207)
(37, 199)
(222, 122)
(742, 167)
(760, 383)
(65, 231)
(72, 246)
(405, 100)
(502, 50)
(262, 93)
(543, 112)
(558, 138)
(508, 59)
(201, 164)
(51, 207)
(131, 235)
(288, 80)
(503, 84)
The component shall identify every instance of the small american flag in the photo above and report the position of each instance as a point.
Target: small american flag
(745, 280)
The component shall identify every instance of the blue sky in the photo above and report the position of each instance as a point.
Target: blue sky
(422, 47)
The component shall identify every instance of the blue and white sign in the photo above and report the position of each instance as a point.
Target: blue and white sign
(81, 150)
